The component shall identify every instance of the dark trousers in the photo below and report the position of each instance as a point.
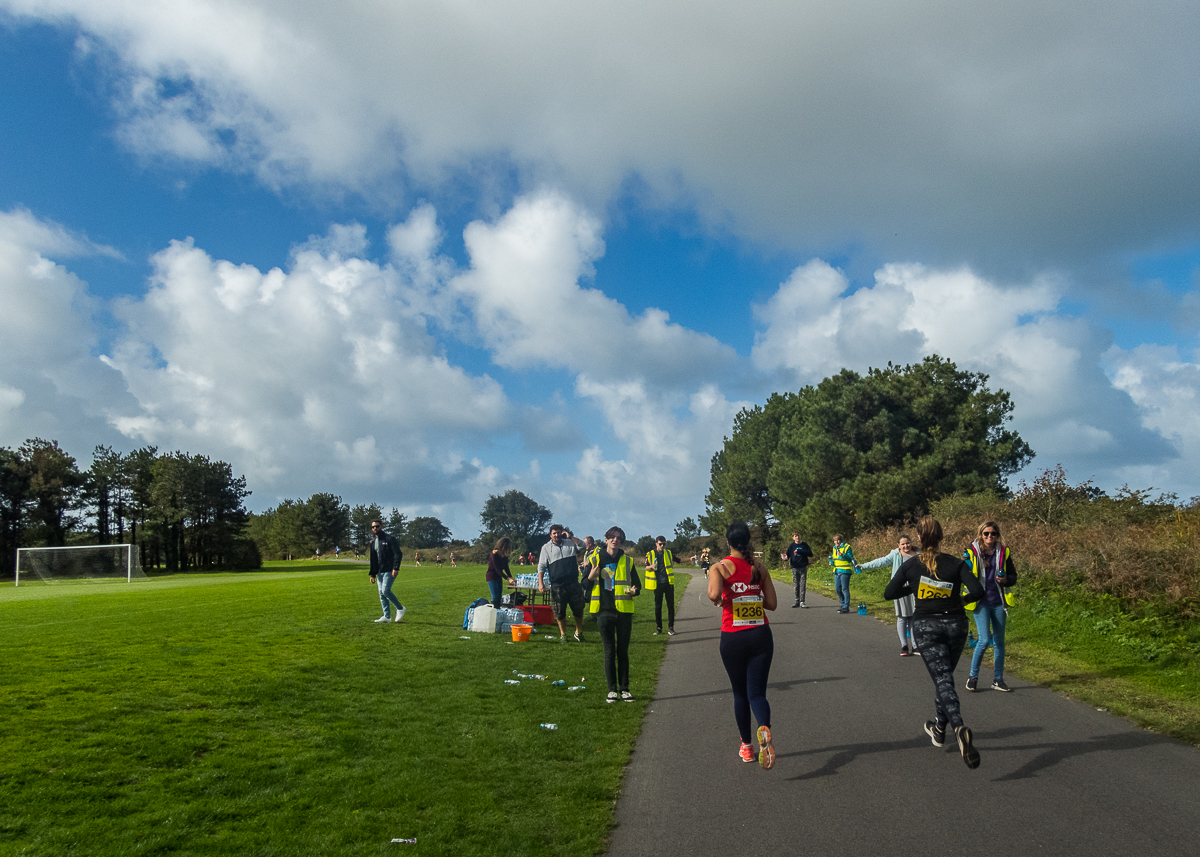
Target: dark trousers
(940, 640)
(615, 631)
(747, 657)
(668, 591)
(800, 580)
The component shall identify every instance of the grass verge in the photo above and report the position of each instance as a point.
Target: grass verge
(265, 713)
(1083, 647)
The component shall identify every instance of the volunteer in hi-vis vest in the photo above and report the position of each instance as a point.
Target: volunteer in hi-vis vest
(660, 577)
(843, 562)
(939, 627)
(614, 586)
(991, 562)
(744, 591)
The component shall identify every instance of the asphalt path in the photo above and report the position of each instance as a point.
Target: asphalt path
(856, 774)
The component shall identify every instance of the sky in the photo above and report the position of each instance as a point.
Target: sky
(420, 254)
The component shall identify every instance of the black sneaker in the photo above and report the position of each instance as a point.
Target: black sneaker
(671, 633)
(972, 683)
(797, 604)
(999, 684)
(904, 651)
(969, 754)
(657, 631)
(938, 736)
(579, 638)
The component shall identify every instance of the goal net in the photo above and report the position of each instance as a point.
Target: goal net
(83, 562)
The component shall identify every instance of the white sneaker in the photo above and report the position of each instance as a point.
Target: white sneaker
(612, 696)
(400, 613)
(382, 619)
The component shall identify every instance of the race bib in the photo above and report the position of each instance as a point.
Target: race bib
(930, 588)
(747, 610)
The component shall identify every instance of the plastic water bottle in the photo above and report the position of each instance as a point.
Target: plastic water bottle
(559, 683)
(862, 609)
(538, 677)
(549, 725)
(511, 681)
(412, 841)
(577, 687)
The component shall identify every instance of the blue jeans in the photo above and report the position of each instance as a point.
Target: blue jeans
(496, 588)
(841, 584)
(989, 623)
(384, 581)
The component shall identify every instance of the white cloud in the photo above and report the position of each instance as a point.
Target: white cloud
(1017, 132)
(1065, 405)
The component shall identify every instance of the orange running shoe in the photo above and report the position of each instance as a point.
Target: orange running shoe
(766, 753)
(747, 753)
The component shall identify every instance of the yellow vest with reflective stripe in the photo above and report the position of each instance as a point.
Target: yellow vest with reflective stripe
(973, 560)
(841, 565)
(668, 566)
(620, 589)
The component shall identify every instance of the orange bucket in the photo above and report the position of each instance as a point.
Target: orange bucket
(521, 633)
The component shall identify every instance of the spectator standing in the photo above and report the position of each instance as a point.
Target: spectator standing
(498, 570)
(843, 562)
(798, 554)
(558, 569)
(385, 562)
(904, 605)
(614, 586)
(992, 564)
(660, 578)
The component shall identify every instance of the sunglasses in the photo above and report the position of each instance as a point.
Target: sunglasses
(991, 533)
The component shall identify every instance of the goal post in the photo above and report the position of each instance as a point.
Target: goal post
(80, 562)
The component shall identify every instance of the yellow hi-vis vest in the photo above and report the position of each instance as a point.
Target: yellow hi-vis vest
(652, 564)
(620, 587)
(841, 565)
(973, 560)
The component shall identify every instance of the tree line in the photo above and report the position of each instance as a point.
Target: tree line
(299, 529)
(183, 511)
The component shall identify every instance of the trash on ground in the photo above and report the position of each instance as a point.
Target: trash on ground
(559, 683)
(577, 687)
(412, 841)
(511, 681)
(549, 725)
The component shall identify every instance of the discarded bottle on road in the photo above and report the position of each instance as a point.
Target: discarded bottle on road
(559, 683)
(511, 681)
(549, 725)
(577, 687)
(862, 609)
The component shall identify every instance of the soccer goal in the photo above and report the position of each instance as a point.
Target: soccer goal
(81, 562)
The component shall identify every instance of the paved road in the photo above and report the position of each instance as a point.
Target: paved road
(857, 775)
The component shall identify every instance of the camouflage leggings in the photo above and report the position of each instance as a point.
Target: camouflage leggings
(940, 640)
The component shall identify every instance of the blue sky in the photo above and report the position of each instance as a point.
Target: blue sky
(424, 254)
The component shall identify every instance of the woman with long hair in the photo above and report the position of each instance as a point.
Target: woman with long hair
(936, 581)
(745, 591)
(614, 585)
(497, 569)
(991, 563)
(903, 552)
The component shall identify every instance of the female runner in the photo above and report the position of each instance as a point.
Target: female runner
(939, 627)
(744, 591)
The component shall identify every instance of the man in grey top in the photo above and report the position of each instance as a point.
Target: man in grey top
(385, 562)
(558, 563)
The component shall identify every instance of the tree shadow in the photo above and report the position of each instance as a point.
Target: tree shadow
(773, 685)
(1058, 752)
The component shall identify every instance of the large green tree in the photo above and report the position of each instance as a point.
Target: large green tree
(427, 533)
(858, 451)
(517, 516)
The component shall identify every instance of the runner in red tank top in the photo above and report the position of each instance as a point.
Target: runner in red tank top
(745, 591)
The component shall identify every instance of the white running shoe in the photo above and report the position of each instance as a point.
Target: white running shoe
(400, 613)
(382, 619)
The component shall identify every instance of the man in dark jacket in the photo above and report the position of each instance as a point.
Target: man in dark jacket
(798, 554)
(385, 562)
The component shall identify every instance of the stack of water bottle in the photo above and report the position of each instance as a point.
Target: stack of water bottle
(527, 581)
(506, 617)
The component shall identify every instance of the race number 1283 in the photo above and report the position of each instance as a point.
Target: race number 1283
(747, 610)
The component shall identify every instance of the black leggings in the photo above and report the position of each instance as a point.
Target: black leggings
(668, 591)
(747, 658)
(615, 631)
(940, 640)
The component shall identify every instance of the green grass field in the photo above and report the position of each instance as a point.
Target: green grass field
(265, 714)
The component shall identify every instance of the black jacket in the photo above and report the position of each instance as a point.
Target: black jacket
(799, 554)
(391, 555)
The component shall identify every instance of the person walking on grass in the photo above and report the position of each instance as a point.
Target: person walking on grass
(992, 564)
(936, 581)
(744, 590)
(385, 562)
(660, 577)
(903, 552)
(558, 565)
(797, 555)
(843, 562)
(614, 586)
